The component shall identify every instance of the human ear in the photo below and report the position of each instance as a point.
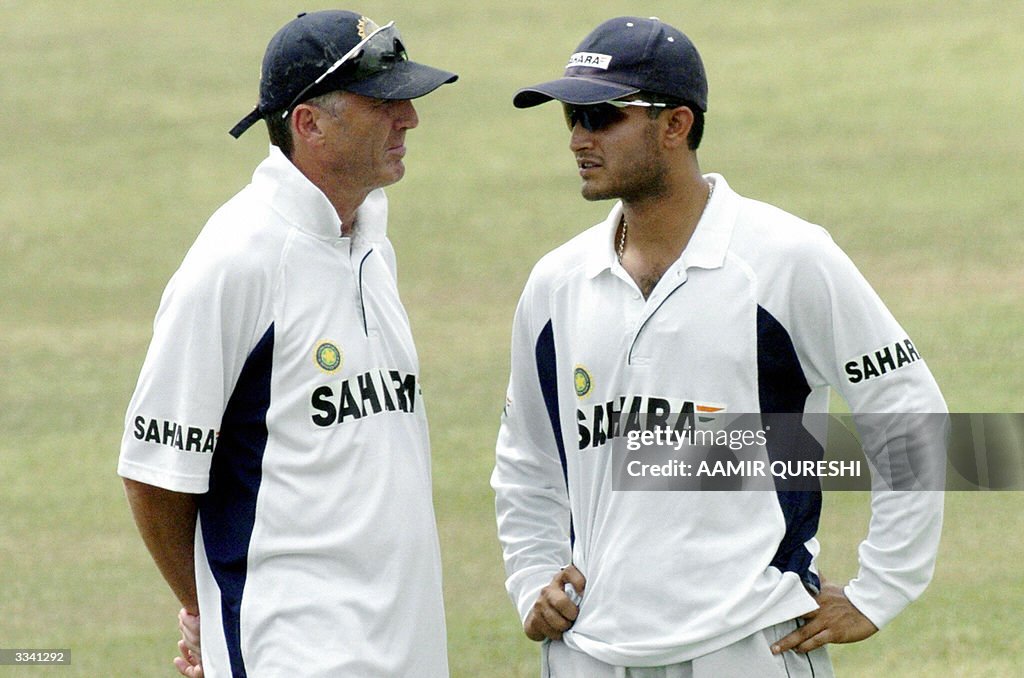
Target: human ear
(678, 122)
(305, 123)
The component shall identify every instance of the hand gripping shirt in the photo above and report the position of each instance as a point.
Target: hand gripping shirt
(762, 313)
(282, 386)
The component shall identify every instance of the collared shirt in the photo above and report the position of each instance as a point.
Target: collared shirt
(761, 313)
(282, 386)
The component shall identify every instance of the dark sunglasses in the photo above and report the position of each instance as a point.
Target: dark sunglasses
(376, 53)
(596, 117)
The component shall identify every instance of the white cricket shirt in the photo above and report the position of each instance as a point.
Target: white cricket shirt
(282, 385)
(761, 313)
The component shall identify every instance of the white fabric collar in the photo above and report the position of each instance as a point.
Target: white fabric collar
(707, 247)
(292, 195)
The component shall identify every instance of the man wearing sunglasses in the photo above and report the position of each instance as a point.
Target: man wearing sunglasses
(688, 303)
(276, 455)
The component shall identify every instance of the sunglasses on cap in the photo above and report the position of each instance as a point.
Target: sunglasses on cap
(595, 117)
(376, 53)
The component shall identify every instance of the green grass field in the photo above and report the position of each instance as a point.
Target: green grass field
(895, 125)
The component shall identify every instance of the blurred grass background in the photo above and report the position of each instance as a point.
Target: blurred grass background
(894, 125)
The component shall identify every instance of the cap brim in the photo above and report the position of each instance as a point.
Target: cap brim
(578, 90)
(407, 80)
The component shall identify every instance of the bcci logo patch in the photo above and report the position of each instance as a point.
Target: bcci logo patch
(365, 27)
(581, 381)
(329, 357)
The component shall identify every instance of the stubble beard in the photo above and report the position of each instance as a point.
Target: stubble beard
(643, 179)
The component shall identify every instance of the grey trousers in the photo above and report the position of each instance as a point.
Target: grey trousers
(747, 658)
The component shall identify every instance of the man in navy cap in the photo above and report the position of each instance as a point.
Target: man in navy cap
(276, 456)
(688, 304)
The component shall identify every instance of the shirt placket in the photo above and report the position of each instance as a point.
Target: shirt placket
(638, 352)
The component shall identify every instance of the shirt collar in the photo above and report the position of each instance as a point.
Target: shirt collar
(602, 256)
(301, 203)
(708, 244)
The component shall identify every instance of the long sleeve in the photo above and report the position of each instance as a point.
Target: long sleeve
(531, 499)
(860, 350)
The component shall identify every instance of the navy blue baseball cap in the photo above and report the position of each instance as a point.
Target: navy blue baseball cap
(320, 52)
(624, 56)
